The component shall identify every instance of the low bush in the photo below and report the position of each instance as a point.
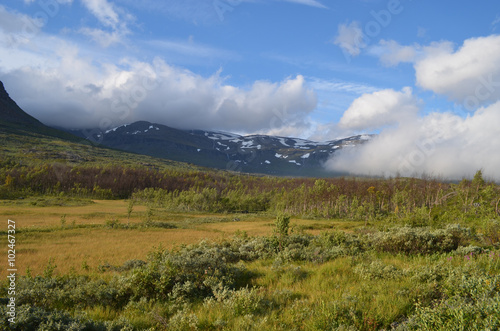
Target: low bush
(408, 240)
(378, 270)
(471, 301)
(216, 275)
(29, 317)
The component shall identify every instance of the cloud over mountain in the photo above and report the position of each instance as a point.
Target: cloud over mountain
(379, 109)
(438, 143)
(62, 83)
(107, 95)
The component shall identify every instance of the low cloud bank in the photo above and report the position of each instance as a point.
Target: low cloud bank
(440, 143)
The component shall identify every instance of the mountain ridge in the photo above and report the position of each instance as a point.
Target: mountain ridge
(256, 153)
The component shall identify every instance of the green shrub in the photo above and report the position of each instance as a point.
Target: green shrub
(470, 301)
(378, 270)
(183, 320)
(491, 232)
(282, 225)
(237, 302)
(113, 224)
(409, 240)
(29, 317)
(457, 314)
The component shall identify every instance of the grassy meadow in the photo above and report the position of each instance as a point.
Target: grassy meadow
(93, 264)
(84, 234)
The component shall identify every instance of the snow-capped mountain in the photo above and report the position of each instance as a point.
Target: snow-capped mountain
(253, 153)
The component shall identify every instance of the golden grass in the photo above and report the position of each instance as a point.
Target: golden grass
(96, 213)
(72, 247)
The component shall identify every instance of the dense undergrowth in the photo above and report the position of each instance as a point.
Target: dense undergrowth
(404, 278)
(419, 202)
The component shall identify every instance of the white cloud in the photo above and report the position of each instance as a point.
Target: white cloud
(65, 84)
(495, 22)
(350, 38)
(21, 40)
(335, 85)
(104, 38)
(74, 92)
(103, 11)
(191, 49)
(379, 109)
(470, 75)
(17, 28)
(439, 144)
(112, 18)
(312, 3)
(392, 54)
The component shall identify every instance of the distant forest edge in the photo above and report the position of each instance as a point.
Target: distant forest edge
(420, 201)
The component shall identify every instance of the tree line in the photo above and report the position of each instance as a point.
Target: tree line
(418, 200)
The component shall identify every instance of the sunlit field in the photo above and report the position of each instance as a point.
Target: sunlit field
(92, 233)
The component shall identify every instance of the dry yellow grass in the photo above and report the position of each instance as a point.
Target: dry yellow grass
(72, 248)
(75, 247)
(96, 213)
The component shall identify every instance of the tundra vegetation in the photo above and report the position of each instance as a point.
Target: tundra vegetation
(246, 252)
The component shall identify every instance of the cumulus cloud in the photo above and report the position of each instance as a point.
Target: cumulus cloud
(439, 144)
(350, 38)
(79, 94)
(392, 53)
(379, 109)
(60, 83)
(469, 75)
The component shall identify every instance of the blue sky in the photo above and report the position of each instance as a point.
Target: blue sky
(307, 68)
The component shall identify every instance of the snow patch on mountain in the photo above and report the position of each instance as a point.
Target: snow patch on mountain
(114, 129)
(283, 141)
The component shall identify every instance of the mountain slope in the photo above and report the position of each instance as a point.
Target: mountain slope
(15, 120)
(272, 155)
(254, 153)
